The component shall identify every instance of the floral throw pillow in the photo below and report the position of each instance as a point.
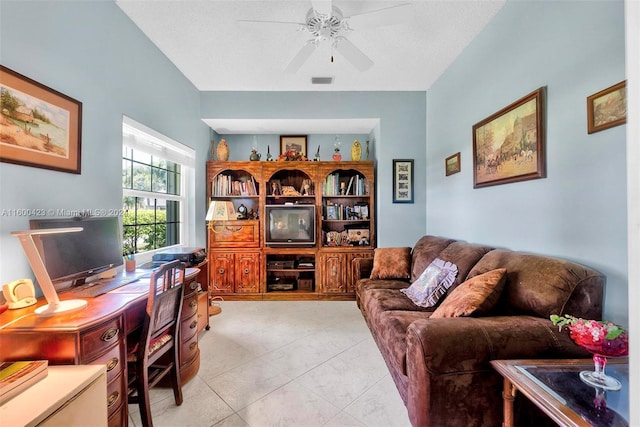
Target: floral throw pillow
(432, 283)
(477, 296)
(391, 263)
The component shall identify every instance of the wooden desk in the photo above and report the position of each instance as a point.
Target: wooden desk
(98, 335)
(555, 387)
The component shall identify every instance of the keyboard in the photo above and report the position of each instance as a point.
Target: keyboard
(100, 288)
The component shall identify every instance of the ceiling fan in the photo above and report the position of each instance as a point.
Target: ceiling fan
(326, 23)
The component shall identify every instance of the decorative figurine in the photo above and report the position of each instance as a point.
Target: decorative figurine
(356, 151)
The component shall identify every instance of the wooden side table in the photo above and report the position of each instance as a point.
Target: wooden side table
(554, 386)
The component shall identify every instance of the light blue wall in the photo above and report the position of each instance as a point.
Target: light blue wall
(579, 211)
(400, 135)
(91, 51)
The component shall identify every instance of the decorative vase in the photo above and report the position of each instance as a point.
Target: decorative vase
(222, 150)
(356, 151)
(603, 339)
(254, 157)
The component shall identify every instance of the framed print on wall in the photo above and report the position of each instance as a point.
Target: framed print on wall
(402, 180)
(297, 143)
(607, 108)
(39, 126)
(509, 146)
(452, 164)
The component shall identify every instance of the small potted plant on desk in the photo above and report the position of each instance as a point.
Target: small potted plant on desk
(129, 260)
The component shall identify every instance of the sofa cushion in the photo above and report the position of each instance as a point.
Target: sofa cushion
(391, 263)
(541, 286)
(464, 255)
(476, 296)
(432, 283)
(425, 251)
(377, 301)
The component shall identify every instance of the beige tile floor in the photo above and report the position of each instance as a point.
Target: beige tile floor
(285, 363)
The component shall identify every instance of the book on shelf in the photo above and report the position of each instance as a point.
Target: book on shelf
(15, 377)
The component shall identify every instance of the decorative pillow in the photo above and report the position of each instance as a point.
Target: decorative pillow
(432, 283)
(476, 296)
(391, 263)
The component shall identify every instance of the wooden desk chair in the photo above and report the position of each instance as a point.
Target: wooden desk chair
(156, 353)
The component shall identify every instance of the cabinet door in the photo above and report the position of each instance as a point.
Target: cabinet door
(247, 272)
(354, 272)
(332, 273)
(222, 272)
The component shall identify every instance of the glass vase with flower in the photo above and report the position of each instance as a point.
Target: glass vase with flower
(601, 338)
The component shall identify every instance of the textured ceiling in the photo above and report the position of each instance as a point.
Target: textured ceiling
(216, 52)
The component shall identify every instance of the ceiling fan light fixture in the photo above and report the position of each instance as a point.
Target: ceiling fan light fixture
(321, 80)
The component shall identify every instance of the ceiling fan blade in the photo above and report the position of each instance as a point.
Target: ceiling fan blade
(301, 57)
(322, 6)
(252, 21)
(392, 15)
(352, 54)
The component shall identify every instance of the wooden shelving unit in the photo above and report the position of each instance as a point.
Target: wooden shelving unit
(243, 266)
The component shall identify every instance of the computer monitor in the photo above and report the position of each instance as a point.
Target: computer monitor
(73, 257)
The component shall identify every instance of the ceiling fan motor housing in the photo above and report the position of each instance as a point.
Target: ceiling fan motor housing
(325, 27)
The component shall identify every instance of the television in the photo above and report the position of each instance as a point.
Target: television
(290, 225)
(73, 257)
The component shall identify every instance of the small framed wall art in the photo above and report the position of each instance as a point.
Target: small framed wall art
(607, 108)
(509, 146)
(452, 164)
(402, 180)
(40, 126)
(293, 143)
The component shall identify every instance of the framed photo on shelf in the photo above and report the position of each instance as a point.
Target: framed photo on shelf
(509, 146)
(297, 143)
(452, 164)
(332, 212)
(607, 108)
(41, 127)
(402, 180)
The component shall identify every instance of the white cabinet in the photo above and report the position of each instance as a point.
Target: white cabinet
(73, 395)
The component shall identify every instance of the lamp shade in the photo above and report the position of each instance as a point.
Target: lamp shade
(220, 210)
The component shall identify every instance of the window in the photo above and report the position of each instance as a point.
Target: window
(156, 173)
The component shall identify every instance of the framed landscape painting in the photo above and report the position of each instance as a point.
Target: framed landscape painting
(39, 126)
(607, 108)
(509, 146)
(297, 143)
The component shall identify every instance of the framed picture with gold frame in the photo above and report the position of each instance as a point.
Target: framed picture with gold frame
(452, 164)
(40, 126)
(509, 146)
(607, 108)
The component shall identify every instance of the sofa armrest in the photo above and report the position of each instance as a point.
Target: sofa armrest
(438, 344)
(448, 360)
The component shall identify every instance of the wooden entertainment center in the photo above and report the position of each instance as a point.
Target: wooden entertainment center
(245, 262)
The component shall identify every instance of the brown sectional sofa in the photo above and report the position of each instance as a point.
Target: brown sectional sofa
(441, 366)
